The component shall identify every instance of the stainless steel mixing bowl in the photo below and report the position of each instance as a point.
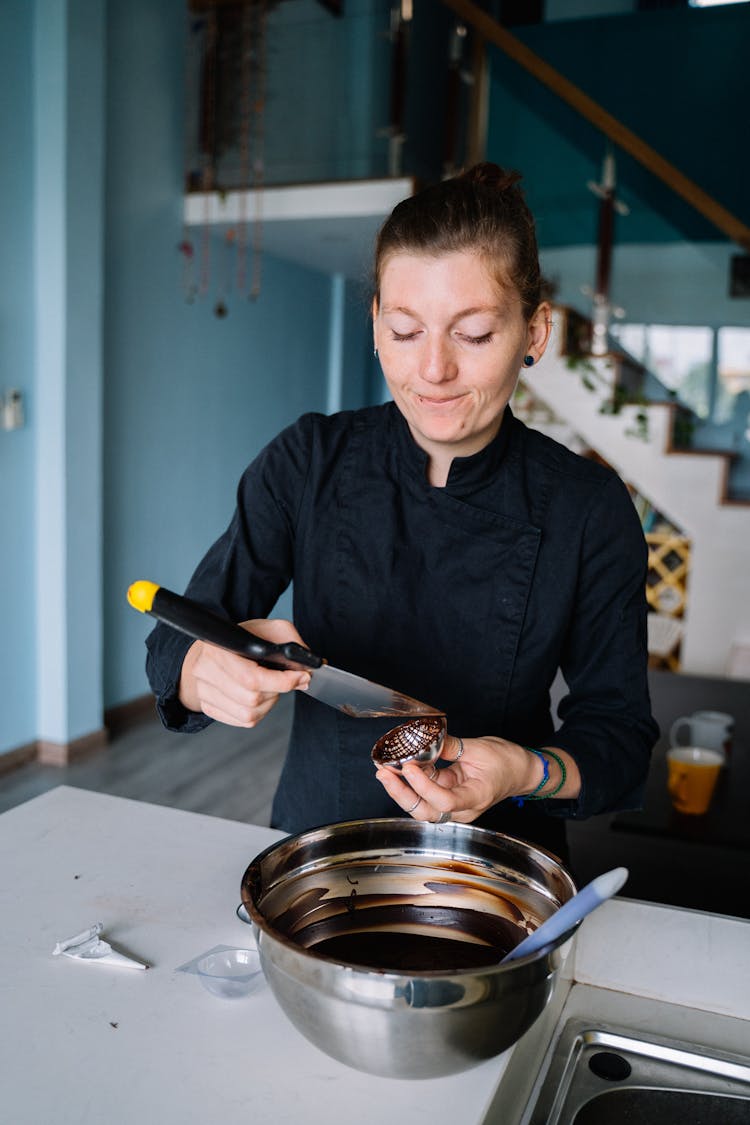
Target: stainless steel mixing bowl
(396, 881)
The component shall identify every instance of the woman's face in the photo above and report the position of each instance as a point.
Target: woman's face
(451, 343)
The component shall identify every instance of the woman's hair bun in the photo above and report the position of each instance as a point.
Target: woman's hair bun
(491, 175)
(480, 211)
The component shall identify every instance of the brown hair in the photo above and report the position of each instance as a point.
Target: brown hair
(483, 210)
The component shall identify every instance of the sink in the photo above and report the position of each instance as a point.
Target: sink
(668, 1107)
(605, 1075)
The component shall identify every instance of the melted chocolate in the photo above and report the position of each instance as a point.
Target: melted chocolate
(394, 937)
(407, 741)
(408, 953)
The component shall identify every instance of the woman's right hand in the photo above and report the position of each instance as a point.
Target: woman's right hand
(232, 689)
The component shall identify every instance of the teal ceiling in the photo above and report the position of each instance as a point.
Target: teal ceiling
(678, 79)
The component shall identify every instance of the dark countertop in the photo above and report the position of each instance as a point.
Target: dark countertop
(698, 862)
(727, 822)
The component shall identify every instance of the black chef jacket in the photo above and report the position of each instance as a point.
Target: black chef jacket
(468, 597)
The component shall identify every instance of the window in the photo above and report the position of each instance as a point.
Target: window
(681, 358)
(733, 363)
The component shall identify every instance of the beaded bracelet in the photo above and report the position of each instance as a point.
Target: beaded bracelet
(535, 795)
(545, 778)
(563, 773)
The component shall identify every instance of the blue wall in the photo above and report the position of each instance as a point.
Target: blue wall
(328, 92)
(69, 95)
(17, 609)
(182, 400)
(189, 398)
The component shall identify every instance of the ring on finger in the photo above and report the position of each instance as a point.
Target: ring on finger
(434, 773)
(444, 816)
(460, 742)
(417, 802)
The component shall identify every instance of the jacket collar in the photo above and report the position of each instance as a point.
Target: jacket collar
(466, 473)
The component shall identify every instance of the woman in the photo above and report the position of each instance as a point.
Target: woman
(441, 548)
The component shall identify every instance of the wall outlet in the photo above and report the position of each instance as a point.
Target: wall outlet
(11, 410)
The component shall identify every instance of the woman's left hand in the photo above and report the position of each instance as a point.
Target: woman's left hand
(487, 771)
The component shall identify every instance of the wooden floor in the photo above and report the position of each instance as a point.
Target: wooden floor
(222, 771)
(232, 773)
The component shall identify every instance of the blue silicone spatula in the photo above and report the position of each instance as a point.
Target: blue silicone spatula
(588, 898)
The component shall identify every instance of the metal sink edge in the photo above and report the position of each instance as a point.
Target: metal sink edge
(645, 1019)
(656, 1062)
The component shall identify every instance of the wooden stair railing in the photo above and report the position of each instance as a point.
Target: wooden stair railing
(490, 30)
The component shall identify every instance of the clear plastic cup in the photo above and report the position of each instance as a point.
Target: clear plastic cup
(230, 973)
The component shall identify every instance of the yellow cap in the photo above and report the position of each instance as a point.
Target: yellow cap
(141, 595)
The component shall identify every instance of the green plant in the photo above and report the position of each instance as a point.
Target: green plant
(585, 367)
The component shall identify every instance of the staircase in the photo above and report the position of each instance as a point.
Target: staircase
(585, 399)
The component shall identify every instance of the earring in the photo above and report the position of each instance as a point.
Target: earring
(375, 352)
(528, 361)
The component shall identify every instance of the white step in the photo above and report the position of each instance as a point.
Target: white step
(687, 487)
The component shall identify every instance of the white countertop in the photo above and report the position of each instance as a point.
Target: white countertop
(165, 883)
(91, 1043)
